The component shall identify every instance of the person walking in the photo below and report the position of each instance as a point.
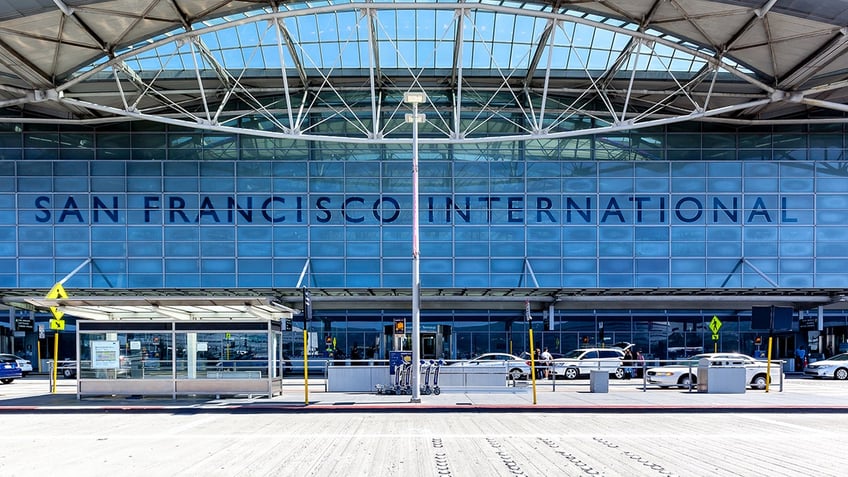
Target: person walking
(547, 362)
(628, 363)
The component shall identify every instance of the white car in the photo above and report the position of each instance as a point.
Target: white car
(516, 367)
(24, 364)
(685, 372)
(835, 367)
(580, 362)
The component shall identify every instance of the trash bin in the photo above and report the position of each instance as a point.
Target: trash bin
(718, 377)
(598, 381)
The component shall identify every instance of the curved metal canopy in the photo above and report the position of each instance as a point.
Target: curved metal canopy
(493, 70)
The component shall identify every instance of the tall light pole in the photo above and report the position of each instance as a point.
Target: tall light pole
(415, 98)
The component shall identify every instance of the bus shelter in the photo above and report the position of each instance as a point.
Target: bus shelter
(178, 346)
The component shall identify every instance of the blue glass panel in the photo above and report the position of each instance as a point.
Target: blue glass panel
(182, 249)
(110, 249)
(180, 184)
(760, 184)
(435, 249)
(35, 249)
(763, 234)
(508, 249)
(580, 249)
(616, 280)
(581, 281)
(140, 266)
(611, 265)
(513, 266)
(615, 234)
(33, 234)
(181, 266)
(447, 280)
(801, 234)
(716, 234)
(797, 249)
(216, 184)
(615, 184)
(687, 266)
(397, 266)
(438, 266)
(217, 249)
(363, 249)
(356, 267)
(824, 185)
(646, 280)
(107, 184)
(34, 184)
(681, 184)
(471, 249)
(652, 249)
(396, 249)
(760, 249)
(257, 266)
(687, 281)
(72, 249)
(327, 249)
(724, 249)
(181, 280)
(138, 280)
(830, 233)
(543, 249)
(394, 280)
(579, 266)
(832, 249)
(291, 249)
(579, 185)
(795, 266)
(223, 265)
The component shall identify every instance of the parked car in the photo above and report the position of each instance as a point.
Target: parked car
(835, 367)
(580, 362)
(9, 370)
(67, 368)
(683, 373)
(23, 363)
(516, 367)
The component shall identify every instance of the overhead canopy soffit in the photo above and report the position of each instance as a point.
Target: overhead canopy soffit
(336, 71)
(277, 304)
(162, 307)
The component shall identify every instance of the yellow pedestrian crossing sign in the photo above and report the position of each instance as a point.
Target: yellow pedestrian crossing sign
(58, 291)
(715, 325)
(58, 325)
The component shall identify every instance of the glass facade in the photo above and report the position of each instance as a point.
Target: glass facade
(159, 207)
(254, 217)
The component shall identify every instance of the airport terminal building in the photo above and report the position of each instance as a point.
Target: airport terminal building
(618, 171)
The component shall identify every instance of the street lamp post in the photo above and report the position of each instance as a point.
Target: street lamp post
(415, 98)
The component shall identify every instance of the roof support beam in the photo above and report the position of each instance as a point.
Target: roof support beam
(812, 64)
(375, 77)
(31, 73)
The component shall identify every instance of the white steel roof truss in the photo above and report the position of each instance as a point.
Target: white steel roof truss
(192, 46)
(505, 84)
(595, 84)
(353, 119)
(373, 71)
(489, 101)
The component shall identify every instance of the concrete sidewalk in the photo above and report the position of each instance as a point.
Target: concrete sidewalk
(800, 394)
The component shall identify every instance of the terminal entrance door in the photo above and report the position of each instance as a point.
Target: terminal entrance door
(434, 344)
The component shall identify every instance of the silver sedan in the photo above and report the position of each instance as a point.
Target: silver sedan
(835, 367)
